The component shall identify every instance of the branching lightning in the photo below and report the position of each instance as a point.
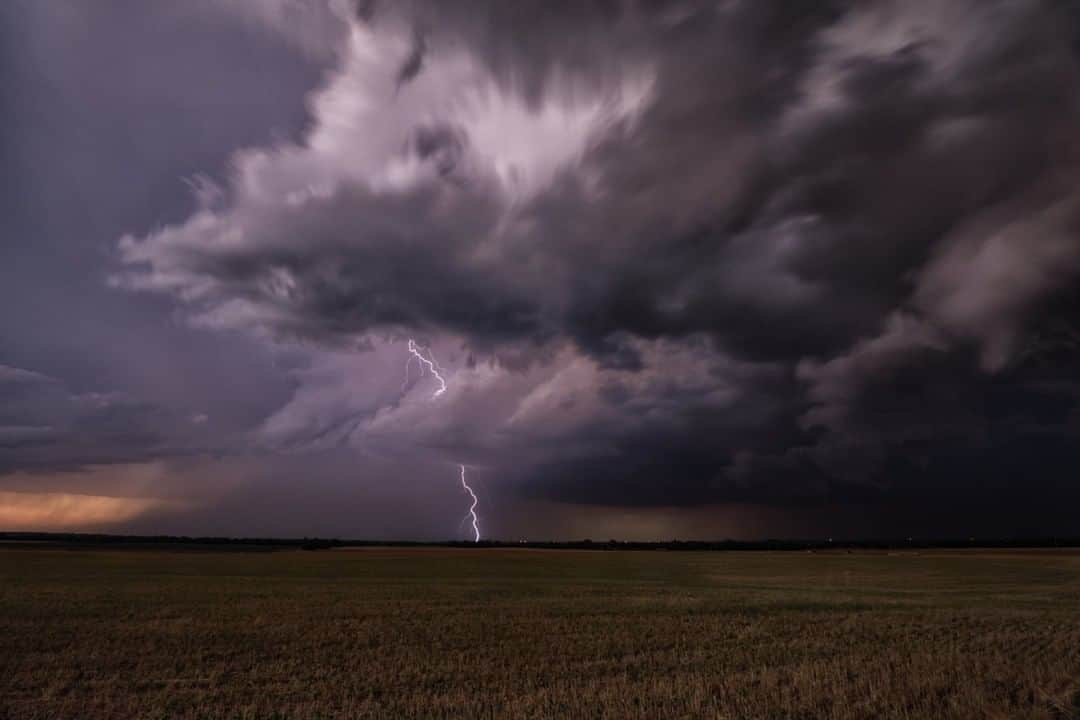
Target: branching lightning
(430, 364)
(428, 361)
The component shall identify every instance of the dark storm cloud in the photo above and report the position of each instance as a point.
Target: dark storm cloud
(843, 192)
(330, 287)
(670, 253)
(678, 264)
(789, 172)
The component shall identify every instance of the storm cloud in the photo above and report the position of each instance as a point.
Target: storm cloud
(669, 255)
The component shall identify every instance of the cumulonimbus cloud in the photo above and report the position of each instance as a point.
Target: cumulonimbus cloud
(811, 202)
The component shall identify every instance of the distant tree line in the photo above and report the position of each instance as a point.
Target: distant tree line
(808, 545)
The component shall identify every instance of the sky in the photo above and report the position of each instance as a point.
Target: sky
(697, 270)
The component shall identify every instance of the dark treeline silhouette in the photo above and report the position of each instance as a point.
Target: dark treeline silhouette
(210, 543)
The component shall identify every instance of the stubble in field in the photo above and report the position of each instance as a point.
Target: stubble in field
(532, 634)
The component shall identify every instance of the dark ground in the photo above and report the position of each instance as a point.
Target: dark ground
(484, 632)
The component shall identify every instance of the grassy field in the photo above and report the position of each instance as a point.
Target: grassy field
(402, 633)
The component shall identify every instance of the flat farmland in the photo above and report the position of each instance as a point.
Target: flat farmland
(493, 633)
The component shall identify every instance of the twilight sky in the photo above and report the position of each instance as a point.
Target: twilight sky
(738, 268)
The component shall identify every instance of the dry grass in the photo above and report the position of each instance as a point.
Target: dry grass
(503, 633)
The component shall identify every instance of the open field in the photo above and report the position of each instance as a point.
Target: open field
(400, 633)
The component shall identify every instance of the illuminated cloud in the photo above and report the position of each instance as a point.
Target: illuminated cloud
(69, 511)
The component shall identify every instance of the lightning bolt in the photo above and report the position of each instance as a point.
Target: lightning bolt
(472, 508)
(428, 361)
(430, 364)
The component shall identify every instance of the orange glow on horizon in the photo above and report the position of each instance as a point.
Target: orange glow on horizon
(64, 511)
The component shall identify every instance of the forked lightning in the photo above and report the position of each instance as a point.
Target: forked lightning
(428, 361)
